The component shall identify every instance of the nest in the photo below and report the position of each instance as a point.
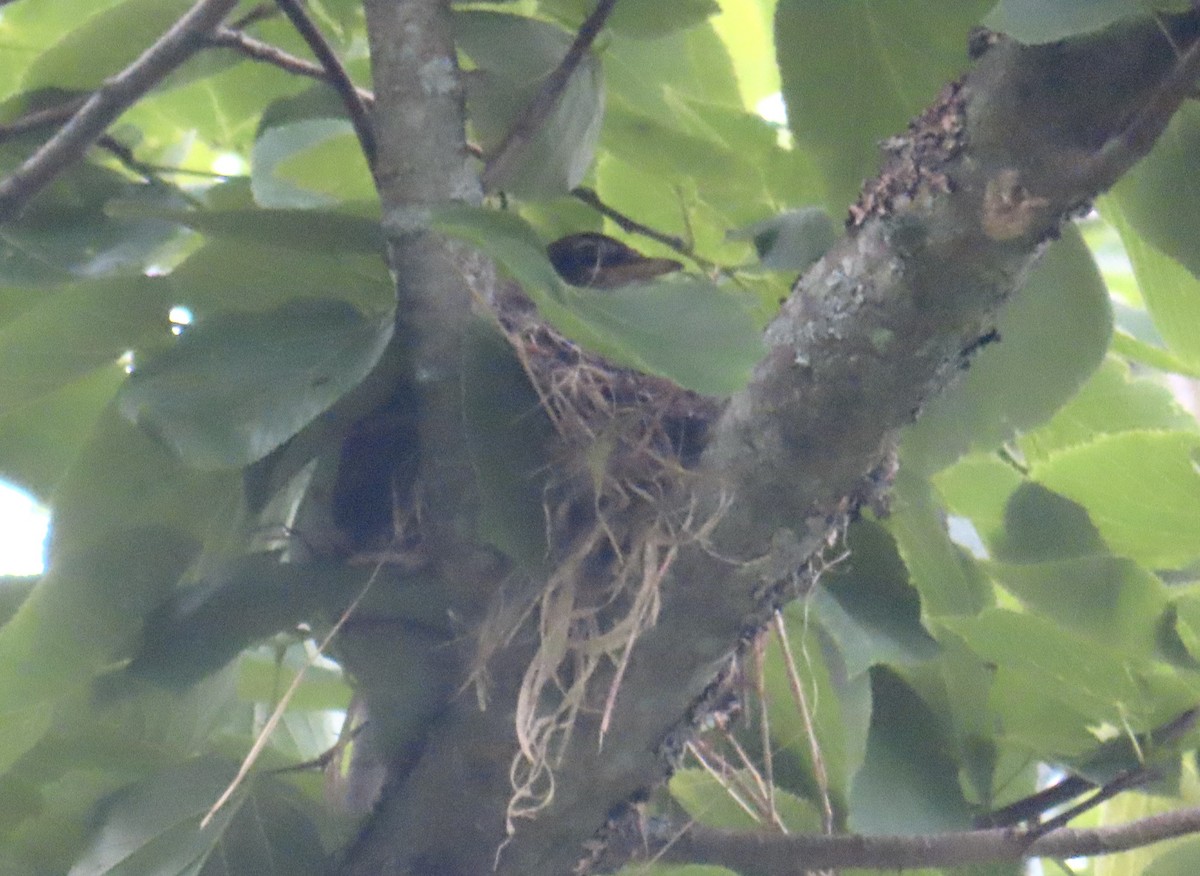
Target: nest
(618, 508)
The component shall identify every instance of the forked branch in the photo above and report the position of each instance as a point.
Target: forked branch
(105, 105)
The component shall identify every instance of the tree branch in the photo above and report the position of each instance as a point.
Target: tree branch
(336, 75)
(627, 224)
(539, 108)
(872, 331)
(41, 118)
(774, 854)
(103, 107)
(257, 50)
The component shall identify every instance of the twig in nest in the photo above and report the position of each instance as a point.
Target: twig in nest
(539, 108)
(116, 95)
(337, 75)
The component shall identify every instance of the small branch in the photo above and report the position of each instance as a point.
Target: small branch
(257, 50)
(1132, 143)
(628, 225)
(42, 118)
(336, 73)
(539, 108)
(148, 171)
(772, 854)
(107, 103)
(261, 12)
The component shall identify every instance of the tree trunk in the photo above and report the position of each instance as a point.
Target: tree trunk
(968, 197)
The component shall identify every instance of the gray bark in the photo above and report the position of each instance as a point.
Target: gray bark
(967, 199)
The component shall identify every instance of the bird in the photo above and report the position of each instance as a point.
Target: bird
(597, 261)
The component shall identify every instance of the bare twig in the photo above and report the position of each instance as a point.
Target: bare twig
(149, 171)
(337, 75)
(783, 855)
(764, 719)
(806, 715)
(257, 50)
(628, 225)
(41, 118)
(116, 95)
(1133, 142)
(259, 13)
(264, 735)
(544, 102)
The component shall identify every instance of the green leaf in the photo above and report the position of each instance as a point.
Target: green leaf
(222, 108)
(1145, 505)
(1040, 525)
(230, 273)
(1182, 859)
(71, 332)
(1187, 623)
(908, 783)
(260, 679)
(868, 606)
(75, 228)
(1141, 353)
(110, 40)
(509, 436)
(978, 487)
(29, 31)
(40, 439)
(655, 146)
(948, 581)
(1171, 292)
(637, 19)
(690, 331)
(1111, 401)
(1160, 196)
(252, 597)
(127, 521)
(513, 55)
(314, 231)
(1044, 21)
(839, 706)
(236, 386)
(153, 828)
(854, 73)
(1053, 687)
(307, 155)
(1051, 338)
(1111, 600)
(792, 240)
(692, 63)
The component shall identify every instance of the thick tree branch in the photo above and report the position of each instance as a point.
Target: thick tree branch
(336, 75)
(872, 331)
(103, 107)
(969, 197)
(773, 854)
(539, 108)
